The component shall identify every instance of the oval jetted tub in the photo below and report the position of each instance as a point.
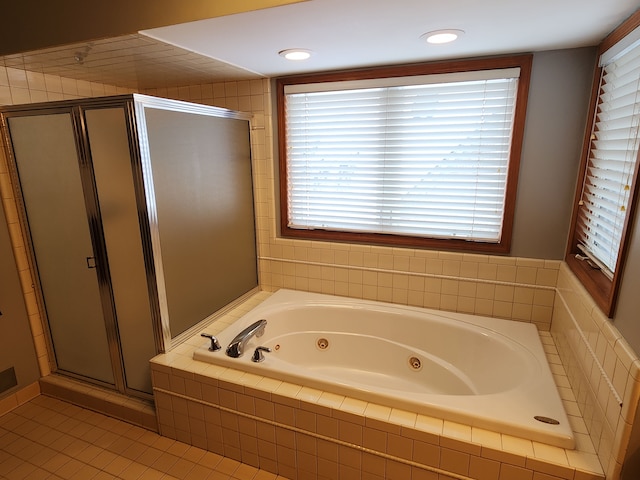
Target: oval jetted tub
(479, 371)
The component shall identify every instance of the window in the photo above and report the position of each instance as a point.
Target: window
(410, 156)
(605, 199)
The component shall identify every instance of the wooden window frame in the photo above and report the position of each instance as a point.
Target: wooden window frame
(602, 289)
(524, 62)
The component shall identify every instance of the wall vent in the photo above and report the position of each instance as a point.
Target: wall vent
(8, 379)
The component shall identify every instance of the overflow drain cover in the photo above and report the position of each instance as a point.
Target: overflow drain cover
(415, 363)
(550, 421)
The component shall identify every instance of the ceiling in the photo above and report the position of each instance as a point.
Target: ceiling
(341, 33)
(361, 33)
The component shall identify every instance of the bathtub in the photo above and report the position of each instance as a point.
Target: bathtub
(478, 371)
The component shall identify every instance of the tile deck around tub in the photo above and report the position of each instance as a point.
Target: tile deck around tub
(394, 438)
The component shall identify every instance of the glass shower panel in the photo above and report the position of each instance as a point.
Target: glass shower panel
(202, 180)
(111, 158)
(47, 163)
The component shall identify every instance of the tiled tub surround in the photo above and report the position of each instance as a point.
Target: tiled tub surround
(304, 433)
(480, 371)
(504, 287)
(602, 369)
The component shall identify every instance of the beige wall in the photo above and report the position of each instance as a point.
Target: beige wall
(16, 342)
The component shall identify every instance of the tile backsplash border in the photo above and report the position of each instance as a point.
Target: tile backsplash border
(503, 287)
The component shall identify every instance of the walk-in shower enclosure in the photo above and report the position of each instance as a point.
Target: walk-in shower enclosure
(138, 213)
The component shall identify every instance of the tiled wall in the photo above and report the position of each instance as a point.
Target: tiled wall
(19, 86)
(507, 287)
(603, 370)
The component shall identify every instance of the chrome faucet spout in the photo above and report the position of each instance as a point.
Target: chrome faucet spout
(236, 347)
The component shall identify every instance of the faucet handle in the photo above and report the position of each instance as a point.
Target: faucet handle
(257, 354)
(215, 345)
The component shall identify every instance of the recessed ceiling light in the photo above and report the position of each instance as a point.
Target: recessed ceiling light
(438, 37)
(295, 54)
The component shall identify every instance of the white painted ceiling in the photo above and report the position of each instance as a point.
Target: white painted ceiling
(361, 33)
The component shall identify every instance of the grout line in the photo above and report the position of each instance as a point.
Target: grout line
(414, 274)
(360, 448)
(603, 373)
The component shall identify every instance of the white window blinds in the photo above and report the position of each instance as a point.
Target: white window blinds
(611, 162)
(420, 156)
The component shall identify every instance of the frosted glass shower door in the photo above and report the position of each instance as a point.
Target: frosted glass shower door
(111, 159)
(47, 162)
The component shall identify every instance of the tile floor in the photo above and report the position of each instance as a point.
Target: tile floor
(50, 439)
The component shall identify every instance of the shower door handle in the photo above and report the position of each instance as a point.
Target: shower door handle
(91, 262)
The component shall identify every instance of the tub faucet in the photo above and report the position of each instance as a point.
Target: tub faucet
(215, 345)
(258, 355)
(236, 347)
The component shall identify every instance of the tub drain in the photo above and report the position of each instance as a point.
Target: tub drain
(415, 363)
(322, 343)
(550, 421)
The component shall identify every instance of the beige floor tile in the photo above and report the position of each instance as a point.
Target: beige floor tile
(50, 439)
